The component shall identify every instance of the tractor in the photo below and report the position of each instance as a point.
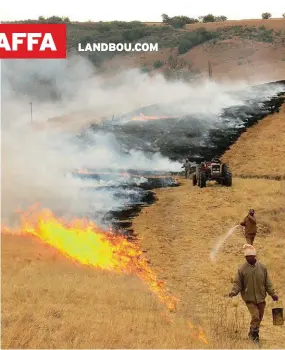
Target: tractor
(214, 170)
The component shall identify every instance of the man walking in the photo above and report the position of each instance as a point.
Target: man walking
(253, 282)
(249, 224)
(187, 166)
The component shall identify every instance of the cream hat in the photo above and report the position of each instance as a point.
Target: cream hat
(249, 250)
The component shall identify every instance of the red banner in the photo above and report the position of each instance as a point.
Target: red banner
(32, 41)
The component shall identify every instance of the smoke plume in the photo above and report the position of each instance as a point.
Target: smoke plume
(68, 95)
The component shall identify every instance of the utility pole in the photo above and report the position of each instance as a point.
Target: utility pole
(31, 104)
(210, 69)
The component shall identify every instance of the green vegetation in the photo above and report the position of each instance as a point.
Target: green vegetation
(177, 21)
(195, 38)
(167, 35)
(133, 32)
(42, 19)
(158, 64)
(211, 18)
(145, 69)
(266, 15)
(260, 34)
(181, 21)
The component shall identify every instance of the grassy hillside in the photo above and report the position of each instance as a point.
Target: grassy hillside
(235, 49)
(183, 40)
(265, 143)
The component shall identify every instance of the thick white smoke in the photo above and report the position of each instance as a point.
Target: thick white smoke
(37, 158)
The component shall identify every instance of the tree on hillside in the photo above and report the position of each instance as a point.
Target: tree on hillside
(54, 19)
(283, 15)
(212, 18)
(179, 69)
(221, 18)
(165, 18)
(177, 21)
(266, 15)
(209, 18)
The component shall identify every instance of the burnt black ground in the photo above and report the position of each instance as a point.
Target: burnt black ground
(196, 135)
(135, 195)
(189, 135)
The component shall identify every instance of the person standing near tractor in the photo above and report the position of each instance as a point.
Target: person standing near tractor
(249, 224)
(253, 283)
(187, 166)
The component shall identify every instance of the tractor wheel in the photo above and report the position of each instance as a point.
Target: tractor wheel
(228, 179)
(224, 169)
(194, 180)
(202, 180)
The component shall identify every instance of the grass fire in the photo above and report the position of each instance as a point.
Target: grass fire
(83, 242)
(144, 117)
(117, 252)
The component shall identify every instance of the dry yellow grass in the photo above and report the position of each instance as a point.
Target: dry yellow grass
(179, 231)
(48, 302)
(181, 228)
(261, 150)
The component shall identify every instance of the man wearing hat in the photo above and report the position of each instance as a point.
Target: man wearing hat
(253, 282)
(249, 224)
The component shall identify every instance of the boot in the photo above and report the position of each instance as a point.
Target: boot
(254, 335)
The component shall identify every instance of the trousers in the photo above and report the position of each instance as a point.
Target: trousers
(250, 238)
(256, 312)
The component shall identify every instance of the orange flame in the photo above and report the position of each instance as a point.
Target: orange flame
(143, 117)
(84, 242)
(125, 174)
(198, 334)
(82, 171)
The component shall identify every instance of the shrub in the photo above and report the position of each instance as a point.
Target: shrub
(178, 21)
(134, 34)
(212, 18)
(266, 15)
(54, 19)
(209, 18)
(144, 69)
(221, 19)
(165, 18)
(195, 38)
(157, 64)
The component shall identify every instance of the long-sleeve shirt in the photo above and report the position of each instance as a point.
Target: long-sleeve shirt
(186, 165)
(249, 224)
(253, 282)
